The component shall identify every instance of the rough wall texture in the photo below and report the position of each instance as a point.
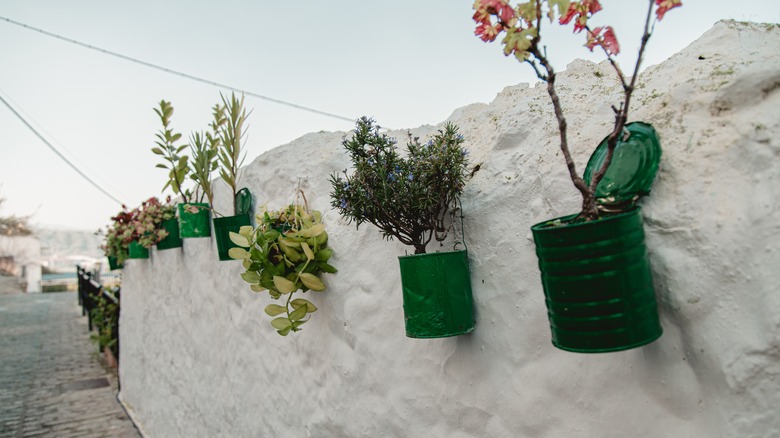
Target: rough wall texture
(199, 358)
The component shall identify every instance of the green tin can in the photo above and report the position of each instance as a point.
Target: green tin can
(172, 240)
(137, 251)
(113, 263)
(222, 228)
(194, 220)
(597, 283)
(437, 294)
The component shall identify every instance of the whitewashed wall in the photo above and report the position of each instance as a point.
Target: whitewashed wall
(198, 357)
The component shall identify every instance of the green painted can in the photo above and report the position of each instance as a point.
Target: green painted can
(437, 294)
(197, 223)
(137, 251)
(222, 228)
(172, 240)
(597, 283)
(113, 263)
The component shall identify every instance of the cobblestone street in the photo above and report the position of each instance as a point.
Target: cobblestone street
(51, 380)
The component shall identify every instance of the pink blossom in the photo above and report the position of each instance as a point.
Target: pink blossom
(665, 5)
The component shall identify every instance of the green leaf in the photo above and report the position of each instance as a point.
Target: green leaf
(297, 324)
(284, 285)
(161, 166)
(239, 240)
(272, 235)
(281, 323)
(327, 268)
(275, 309)
(257, 288)
(158, 151)
(251, 277)
(298, 314)
(285, 332)
(314, 231)
(246, 231)
(238, 254)
(323, 255)
(312, 282)
(307, 251)
(292, 255)
(300, 302)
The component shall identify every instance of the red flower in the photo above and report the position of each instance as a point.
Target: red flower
(487, 31)
(608, 40)
(665, 5)
(582, 10)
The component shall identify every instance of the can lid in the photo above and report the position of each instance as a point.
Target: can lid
(243, 201)
(633, 168)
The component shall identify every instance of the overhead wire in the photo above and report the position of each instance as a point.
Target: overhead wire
(178, 73)
(59, 154)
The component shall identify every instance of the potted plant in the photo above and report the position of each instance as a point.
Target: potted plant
(287, 252)
(118, 236)
(230, 131)
(410, 199)
(595, 273)
(149, 221)
(194, 214)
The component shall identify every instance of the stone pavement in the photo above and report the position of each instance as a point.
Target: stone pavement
(52, 383)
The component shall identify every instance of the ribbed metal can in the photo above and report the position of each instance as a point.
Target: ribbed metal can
(597, 283)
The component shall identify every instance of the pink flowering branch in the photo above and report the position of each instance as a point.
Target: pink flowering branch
(522, 26)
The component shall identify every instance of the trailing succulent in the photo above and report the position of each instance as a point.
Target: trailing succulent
(285, 253)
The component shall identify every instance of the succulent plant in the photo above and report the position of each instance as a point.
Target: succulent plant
(287, 252)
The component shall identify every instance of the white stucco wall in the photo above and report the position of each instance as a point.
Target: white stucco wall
(199, 359)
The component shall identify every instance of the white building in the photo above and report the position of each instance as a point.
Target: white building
(21, 256)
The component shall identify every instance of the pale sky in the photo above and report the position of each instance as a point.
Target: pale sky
(404, 62)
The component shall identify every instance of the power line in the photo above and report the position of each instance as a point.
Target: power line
(58, 152)
(178, 73)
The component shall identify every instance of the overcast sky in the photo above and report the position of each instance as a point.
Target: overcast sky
(404, 62)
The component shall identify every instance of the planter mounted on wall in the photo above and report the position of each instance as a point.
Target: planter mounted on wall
(113, 263)
(224, 225)
(137, 251)
(172, 240)
(194, 220)
(437, 294)
(596, 277)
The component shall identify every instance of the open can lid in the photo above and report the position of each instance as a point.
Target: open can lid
(243, 201)
(632, 170)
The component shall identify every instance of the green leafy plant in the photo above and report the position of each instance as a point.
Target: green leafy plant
(408, 198)
(229, 126)
(119, 234)
(522, 26)
(148, 219)
(204, 147)
(287, 252)
(174, 161)
(141, 224)
(105, 317)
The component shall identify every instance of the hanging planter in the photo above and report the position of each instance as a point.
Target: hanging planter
(285, 262)
(114, 264)
(171, 226)
(411, 198)
(223, 226)
(596, 277)
(437, 294)
(137, 251)
(194, 220)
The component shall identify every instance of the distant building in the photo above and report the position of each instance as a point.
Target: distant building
(20, 256)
